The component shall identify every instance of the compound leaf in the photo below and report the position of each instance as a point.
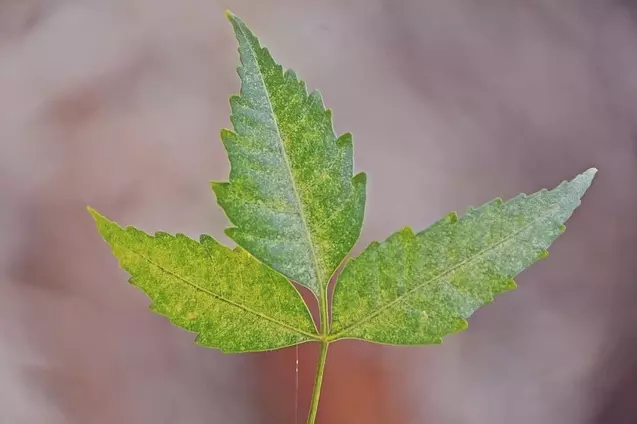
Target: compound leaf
(416, 288)
(291, 196)
(232, 301)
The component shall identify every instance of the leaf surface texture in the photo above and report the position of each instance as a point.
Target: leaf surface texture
(232, 301)
(291, 195)
(416, 288)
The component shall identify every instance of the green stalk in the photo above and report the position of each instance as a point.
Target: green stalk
(324, 313)
(318, 382)
(320, 370)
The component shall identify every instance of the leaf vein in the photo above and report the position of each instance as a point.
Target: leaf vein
(402, 297)
(223, 299)
(317, 270)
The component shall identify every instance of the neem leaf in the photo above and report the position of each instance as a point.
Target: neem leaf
(231, 300)
(415, 289)
(291, 196)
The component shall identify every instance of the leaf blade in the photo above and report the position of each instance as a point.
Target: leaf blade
(417, 288)
(230, 300)
(291, 195)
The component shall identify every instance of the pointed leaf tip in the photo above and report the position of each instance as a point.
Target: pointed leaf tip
(590, 174)
(95, 214)
(238, 24)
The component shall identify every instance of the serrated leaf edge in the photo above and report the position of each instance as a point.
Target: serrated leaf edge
(452, 218)
(239, 26)
(313, 337)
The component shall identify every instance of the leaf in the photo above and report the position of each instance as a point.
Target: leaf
(232, 301)
(415, 289)
(291, 196)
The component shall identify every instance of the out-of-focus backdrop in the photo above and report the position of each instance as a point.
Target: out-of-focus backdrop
(118, 104)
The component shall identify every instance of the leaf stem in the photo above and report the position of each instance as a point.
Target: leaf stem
(324, 313)
(320, 370)
(318, 382)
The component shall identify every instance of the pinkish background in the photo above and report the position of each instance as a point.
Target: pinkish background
(118, 104)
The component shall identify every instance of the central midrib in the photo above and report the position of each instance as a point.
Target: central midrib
(402, 297)
(223, 299)
(308, 236)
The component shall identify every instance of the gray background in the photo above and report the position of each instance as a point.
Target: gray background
(118, 104)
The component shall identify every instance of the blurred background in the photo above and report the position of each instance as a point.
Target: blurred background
(118, 104)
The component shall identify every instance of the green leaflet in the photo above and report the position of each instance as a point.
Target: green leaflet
(297, 210)
(415, 289)
(290, 196)
(232, 301)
